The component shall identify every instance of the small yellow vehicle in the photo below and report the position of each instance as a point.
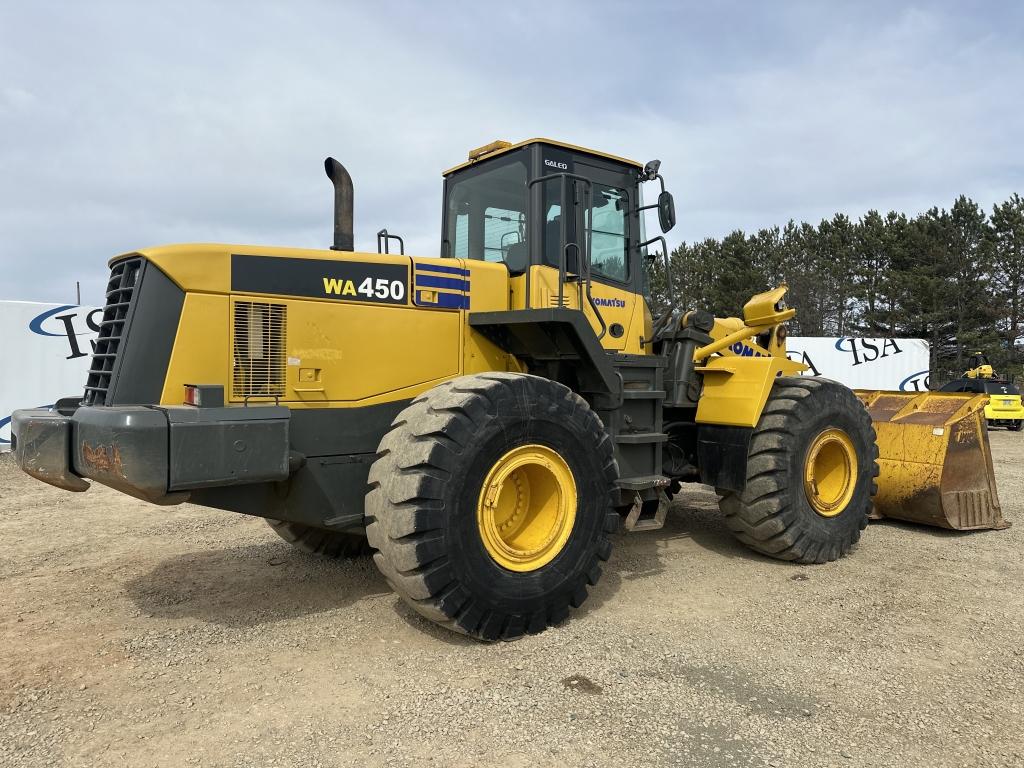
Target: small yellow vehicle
(1004, 408)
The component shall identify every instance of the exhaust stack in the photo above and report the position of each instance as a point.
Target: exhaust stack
(344, 239)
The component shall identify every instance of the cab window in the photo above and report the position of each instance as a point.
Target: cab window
(502, 228)
(486, 212)
(608, 233)
(1001, 388)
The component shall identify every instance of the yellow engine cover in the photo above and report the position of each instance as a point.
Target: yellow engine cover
(314, 328)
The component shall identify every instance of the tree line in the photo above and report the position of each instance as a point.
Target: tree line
(952, 277)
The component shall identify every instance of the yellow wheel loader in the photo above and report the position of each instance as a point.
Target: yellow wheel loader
(483, 421)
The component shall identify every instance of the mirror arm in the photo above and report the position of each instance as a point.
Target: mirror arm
(648, 177)
(668, 265)
(652, 205)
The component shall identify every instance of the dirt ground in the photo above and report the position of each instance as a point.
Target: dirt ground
(144, 636)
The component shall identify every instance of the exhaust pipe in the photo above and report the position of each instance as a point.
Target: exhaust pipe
(344, 239)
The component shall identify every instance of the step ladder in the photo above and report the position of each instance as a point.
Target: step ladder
(647, 515)
(636, 428)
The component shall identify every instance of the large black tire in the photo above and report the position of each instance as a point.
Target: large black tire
(427, 482)
(1015, 425)
(317, 541)
(774, 514)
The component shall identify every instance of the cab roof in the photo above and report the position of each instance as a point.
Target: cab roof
(496, 148)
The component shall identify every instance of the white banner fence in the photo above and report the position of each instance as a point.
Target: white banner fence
(47, 349)
(890, 364)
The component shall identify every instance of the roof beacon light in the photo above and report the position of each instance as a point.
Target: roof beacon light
(487, 149)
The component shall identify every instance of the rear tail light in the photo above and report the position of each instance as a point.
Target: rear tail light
(204, 395)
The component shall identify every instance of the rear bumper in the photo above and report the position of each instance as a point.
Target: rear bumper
(154, 453)
(994, 416)
(1004, 412)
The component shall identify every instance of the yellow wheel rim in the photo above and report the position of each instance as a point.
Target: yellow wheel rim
(830, 472)
(527, 508)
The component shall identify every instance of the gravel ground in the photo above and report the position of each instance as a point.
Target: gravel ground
(145, 636)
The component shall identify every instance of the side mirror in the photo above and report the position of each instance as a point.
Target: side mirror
(666, 211)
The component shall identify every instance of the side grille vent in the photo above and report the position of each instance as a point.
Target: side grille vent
(124, 277)
(260, 330)
(553, 299)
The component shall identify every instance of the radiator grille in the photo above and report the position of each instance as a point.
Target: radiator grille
(124, 276)
(259, 368)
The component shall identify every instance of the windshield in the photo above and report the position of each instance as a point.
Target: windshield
(1000, 388)
(486, 212)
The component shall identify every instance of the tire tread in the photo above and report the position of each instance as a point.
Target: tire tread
(405, 504)
(762, 516)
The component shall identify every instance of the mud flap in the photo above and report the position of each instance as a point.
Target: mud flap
(935, 461)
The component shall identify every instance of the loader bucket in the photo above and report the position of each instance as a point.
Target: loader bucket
(934, 459)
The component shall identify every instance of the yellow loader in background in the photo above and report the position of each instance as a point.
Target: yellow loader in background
(1003, 407)
(481, 422)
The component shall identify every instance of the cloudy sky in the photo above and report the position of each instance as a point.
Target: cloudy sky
(131, 124)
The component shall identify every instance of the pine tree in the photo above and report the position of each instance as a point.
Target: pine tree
(871, 274)
(1007, 239)
(969, 253)
(801, 265)
(836, 259)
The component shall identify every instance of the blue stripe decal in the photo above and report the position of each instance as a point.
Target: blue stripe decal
(439, 268)
(429, 281)
(36, 325)
(444, 301)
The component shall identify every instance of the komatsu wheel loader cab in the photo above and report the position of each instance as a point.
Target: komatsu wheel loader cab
(482, 422)
(565, 223)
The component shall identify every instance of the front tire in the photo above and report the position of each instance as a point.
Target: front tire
(490, 504)
(810, 474)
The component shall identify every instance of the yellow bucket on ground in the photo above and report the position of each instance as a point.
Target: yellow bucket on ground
(934, 459)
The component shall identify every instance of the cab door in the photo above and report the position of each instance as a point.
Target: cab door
(607, 223)
(583, 201)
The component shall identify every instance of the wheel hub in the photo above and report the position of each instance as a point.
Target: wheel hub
(830, 472)
(527, 508)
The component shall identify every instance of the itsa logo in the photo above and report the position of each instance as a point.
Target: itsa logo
(915, 382)
(867, 350)
(601, 302)
(803, 357)
(70, 322)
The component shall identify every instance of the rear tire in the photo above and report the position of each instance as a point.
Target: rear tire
(443, 472)
(337, 545)
(812, 431)
(1016, 425)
